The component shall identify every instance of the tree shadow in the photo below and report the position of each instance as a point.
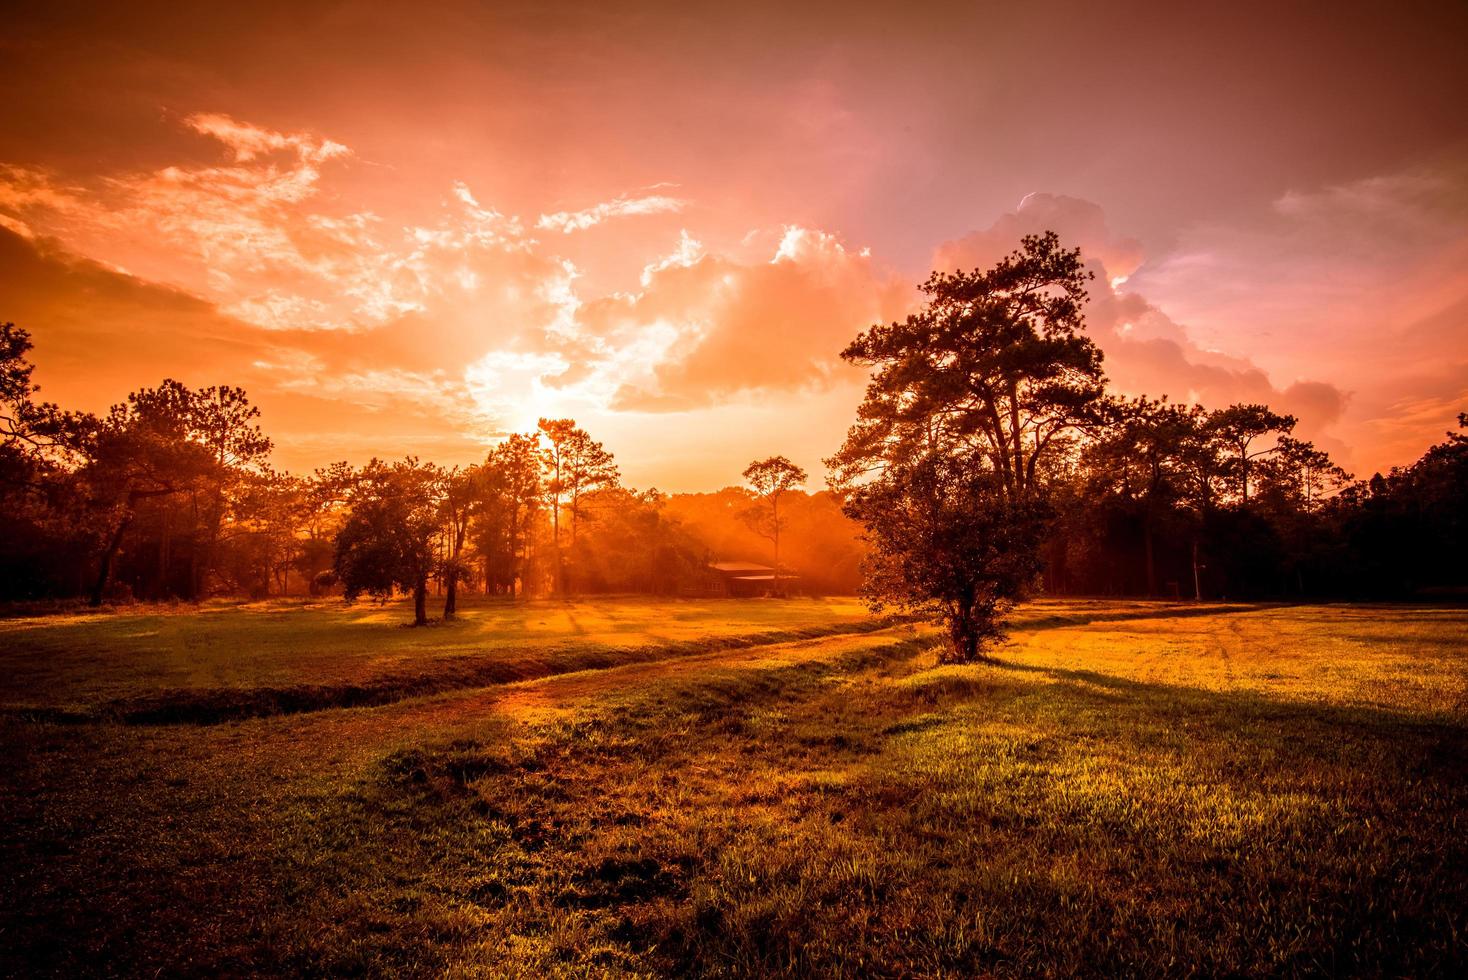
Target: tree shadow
(1086, 618)
(1423, 744)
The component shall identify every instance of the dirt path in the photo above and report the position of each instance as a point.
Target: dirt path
(559, 694)
(277, 752)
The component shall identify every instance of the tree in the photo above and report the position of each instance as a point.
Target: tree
(33, 435)
(509, 494)
(770, 479)
(269, 510)
(1306, 474)
(968, 400)
(222, 419)
(575, 465)
(459, 502)
(39, 518)
(1237, 427)
(140, 451)
(1135, 462)
(387, 540)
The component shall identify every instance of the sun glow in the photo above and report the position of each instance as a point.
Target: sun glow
(510, 391)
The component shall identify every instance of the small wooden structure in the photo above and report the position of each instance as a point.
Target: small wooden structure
(749, 580)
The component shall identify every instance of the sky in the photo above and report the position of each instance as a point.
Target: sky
(416, 228)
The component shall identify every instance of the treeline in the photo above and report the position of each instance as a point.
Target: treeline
(171, 495)
(1177, 501)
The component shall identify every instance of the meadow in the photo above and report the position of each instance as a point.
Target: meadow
(638, 788)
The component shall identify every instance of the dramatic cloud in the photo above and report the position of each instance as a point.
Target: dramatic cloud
(369, 314)
(1147, 352)
(1364, 283)
(458, 328)
(705, 327)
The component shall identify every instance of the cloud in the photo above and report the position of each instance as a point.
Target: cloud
(1363, 283)
(257, 236)
(569, 221)
(248, 141)
(100, 333)
(707, 327)
(1079, 224)
(450, 321)
(1147, 351)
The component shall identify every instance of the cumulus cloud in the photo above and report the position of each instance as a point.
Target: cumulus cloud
(256, 235)
(456, 324)
(1364, 283)
(1147, 351)
(707, 327)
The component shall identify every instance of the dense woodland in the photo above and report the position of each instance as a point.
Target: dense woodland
(171, 496)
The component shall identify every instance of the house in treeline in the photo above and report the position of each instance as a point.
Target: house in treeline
(746, 580)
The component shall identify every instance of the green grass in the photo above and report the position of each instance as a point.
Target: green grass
(1134, 789)
(228, 660)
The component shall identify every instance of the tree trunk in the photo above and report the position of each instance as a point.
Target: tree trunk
(1197, 586)
(963, 637)
(967, 628)
(161, 588)
(211, 549)
(420, 603)
(556, 543)
(1151, 560)
(775, 509)
(451, 595)
(104, 567)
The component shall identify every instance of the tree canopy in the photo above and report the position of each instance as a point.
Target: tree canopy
(968, 400)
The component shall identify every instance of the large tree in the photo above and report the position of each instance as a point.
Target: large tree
(968, 399)
(222, 419)
(140, 451)
(769, 480)
(387, 540)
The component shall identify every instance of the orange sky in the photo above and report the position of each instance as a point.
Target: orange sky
(414, 228)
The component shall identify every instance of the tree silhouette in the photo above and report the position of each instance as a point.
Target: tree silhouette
(387, 540)
(575, 465)
(770, 479)
(459, 502)
(139, 451)
(967, 400)
(1237, 427)
(1135, 464)
(222, 419)
(509, 496)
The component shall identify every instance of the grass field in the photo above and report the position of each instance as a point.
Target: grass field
(736, 788)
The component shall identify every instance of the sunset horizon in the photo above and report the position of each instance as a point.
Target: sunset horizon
(423, 254)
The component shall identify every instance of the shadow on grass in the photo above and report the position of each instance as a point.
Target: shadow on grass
(1430, 746)
(1158, 610)
(1269, 836)
(666, 832)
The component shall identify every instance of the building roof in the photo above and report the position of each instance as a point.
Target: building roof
(737, 567)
